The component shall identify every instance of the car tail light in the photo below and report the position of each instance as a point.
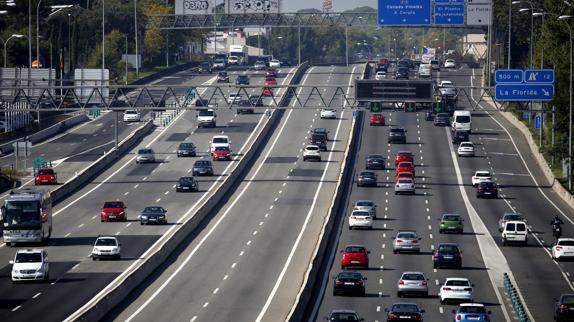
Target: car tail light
(558, 248)
(414, 241)
(446, 288)
(564, 306)
(338, 283)
(459, 317)
(392, 316)
(401, 282)
(399, 241)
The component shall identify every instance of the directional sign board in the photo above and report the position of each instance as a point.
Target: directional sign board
(449, 13)
(509, 76)
(477, 14)
(524, 92)
(388, 90)
(539, 76)
(404, 12)
(538, 121)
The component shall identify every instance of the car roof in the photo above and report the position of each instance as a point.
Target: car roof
(482, 171)
(312, 145)
(451, 215)
(343, 311)
(516, 222)
(412, 272)
(466, 142)
(448, 244)
(472, 304)
(407, 231)
(355, 245)
(30, 250)
(456, 279)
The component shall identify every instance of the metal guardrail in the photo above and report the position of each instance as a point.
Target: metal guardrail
(514, 297)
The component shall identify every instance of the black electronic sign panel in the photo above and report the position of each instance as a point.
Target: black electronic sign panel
(387, 90)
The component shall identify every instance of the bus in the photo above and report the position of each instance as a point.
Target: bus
(27, 216)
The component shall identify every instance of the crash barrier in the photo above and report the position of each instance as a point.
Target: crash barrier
(514, 297)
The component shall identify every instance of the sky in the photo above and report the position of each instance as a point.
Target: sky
(338, 5)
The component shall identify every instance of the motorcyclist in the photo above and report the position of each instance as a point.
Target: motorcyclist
(556, 221)
(557, 227)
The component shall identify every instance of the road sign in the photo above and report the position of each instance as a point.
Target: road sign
(437, 107)
(449, 1)
(449, 14)
(389, 90)
(538, 121)
(355, 114)
(515, 76)
(526, 115)
(376, 106)
(477, 14)
(39, 162)
(524, 92)
(410, 106)
(22, 148)
(404, 12)
(540, 76)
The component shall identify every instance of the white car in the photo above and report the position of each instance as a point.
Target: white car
(465, 149)
(360, 219)
(220, 141)
(30, 265)
(480, 176)
(405, 185)
(449, 63)
(274, 63)
(564, 248)
(328, 113)
(456, 289)
(233, 98)
(366, 205)
(106, 247)
(312, 152)
(380, 75)
(132, 116)
(445, 83)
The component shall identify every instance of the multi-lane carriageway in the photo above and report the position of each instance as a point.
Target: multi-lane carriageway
(248, 262)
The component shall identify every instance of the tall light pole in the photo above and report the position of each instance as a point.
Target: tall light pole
(29, 38)
(565, 19)
(38, 32)
(395, 40)
(6, 44)
(103, 47)
(510, 3)
(531, 9)
(136, 38)
(540, 14)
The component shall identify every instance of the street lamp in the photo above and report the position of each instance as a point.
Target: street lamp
(540, 14)
(38, 33)
(510, 29)
(395, 40)
(565, 18)
(6, 44)
(531, 9)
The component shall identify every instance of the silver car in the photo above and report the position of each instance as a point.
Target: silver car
(405, 185)
(145, 155)
(406, 241)
(511, 216)
(412, 283)
(366, 205)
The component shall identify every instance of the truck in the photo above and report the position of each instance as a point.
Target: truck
(219, 60)
(206, 118)
(241, 52)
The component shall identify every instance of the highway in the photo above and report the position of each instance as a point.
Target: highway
(77, 222)
(248, 263)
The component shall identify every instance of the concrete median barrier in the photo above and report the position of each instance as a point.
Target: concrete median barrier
(132, 277)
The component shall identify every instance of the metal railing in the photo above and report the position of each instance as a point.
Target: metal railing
(514, 297)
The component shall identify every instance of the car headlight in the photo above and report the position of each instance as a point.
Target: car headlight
(15, 271)
(144, 217)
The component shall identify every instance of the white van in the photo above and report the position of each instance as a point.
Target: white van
(220, 141)
(425, 71)
(515, 231)
(461, 121)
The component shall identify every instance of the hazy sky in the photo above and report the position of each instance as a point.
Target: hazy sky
(338, 5)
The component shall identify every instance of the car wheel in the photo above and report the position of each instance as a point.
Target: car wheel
(350, 227)
(461, 231)
(101, 220)
(334, 293)
(503, 243)
(395, 252)
(141, 223)
(434, 266)
(342, 267)
(93, 258)
(440, 231)
(399, 294)
(443, 302)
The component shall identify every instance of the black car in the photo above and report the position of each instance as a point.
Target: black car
(245, 107)
(186, 149)
(403, 63)
(447, 255)
(153, 215)
(204, 67)
(459, 136)
(271, 72)
(343, 316)
(349, 282)
(404, 312)
(322, 131)
(223, 77)
(367, 179)
(429, 116)
(202, 168)
(186, 184)
(256, 100)
(402, 73)
(441, 119)
(285, 63)
(242, 80)
(201, 102)
(320, 140)
(487, 189)
(564, 308)
(375, 162)
(397, 135)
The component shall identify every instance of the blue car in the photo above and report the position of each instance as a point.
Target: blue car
(471, 312)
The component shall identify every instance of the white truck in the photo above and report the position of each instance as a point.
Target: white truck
(206, 118)
(241, 52)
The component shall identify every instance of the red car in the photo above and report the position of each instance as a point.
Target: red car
(221, 153)
(46, 176)
(405, 167)
(377, 119)
(270, 81)
(355, 256)
(402, 175)
(114, 210)
(403, 156)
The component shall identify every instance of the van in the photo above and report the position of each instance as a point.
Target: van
(515, 231)
(206, 118)
(425, 71)
(461, 121)
(435, 64)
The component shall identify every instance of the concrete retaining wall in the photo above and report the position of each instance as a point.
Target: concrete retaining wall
(118, 290)
(39, 136)
(312, 284)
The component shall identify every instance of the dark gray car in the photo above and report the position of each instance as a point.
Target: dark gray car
(441, 119)
(397, 135)
(367, 179)
(186, 184)
(245, 107)
(202, 168)
(153, 215)
(186, 149)
(320, 140)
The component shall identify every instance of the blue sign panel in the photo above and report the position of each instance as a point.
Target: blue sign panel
(508, 76)
(449, 14)
(524, 92)
(540, 76)
(404, 12)
(537, 121)
(449, 1)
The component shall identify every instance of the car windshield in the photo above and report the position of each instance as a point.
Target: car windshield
(447, 249)
(566, 243)
(567, 299)
(221, 149)
(219, 140)
(131, 112)
(450, 218)
(223, 74)
(400, 131)
(407, 308)
(413, 277)
(361, 213)
(312, 148)
(364, 203)
(367, 174)
(466, 145)
(405, 165)
(520, 227)
(270, 80)
(242, 77)
(186, 146)
(513, 217)
(463, 119)
(106, 242)
(472, 309)
(457, 283)
(153, 209)
(407, 235)
(28, 258)
(113, 204)
(487, 185)
(145, 151)
(45, 171)
(482, 174)
(355, 249)
(206, 113)
(340, 317)
(22, 214)
(406, 181)
(376, 156)
(204, 64)
(350, 275)
(202, 164)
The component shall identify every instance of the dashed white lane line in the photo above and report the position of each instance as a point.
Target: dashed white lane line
(234, 264)
(16, 308)
(81, 225)
(66, 235)
(225, 277)
(216, 290)
(94, 217)
(37, 294)
(193, 318)
(205, 304)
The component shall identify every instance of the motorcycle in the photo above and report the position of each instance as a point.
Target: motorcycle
(557, 231)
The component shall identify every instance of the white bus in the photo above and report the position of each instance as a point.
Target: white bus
(27, 216)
